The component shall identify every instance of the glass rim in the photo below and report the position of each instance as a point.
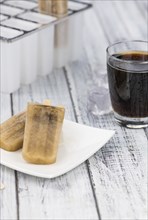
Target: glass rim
(127, 61)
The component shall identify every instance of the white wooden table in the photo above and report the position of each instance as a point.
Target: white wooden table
(113, 183)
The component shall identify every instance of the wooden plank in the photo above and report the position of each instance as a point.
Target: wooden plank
(121, 177)
(130, 23)
(143, 6)
(146, 132)
(8, 202)
(119, 170)
(137, 30)
(69, 196)
(122, 162)
(94, 40)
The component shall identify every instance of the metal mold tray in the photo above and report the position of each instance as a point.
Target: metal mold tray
(22, 18)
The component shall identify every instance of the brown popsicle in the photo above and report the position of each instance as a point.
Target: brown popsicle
(42, 133)
(12, 132)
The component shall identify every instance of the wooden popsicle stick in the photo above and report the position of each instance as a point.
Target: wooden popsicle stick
(47, 102)
(42, 5)
(57, 8)
(2, 186)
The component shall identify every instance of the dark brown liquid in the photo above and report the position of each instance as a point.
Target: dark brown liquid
(128, 84)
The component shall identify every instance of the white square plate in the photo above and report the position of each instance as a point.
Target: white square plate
(78, 143)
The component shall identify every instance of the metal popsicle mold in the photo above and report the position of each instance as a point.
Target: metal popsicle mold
(3, 17)
(8, 10)
(23, 4)
(20, 24)
(13, 11)
(10, 33)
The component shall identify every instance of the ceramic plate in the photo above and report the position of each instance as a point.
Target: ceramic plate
(78, 143)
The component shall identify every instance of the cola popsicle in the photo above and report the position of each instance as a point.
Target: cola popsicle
(42, 133)
(12, 132)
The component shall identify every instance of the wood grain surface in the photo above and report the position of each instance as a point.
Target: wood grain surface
(112, 184)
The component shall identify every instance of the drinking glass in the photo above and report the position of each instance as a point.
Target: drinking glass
(127, 67)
